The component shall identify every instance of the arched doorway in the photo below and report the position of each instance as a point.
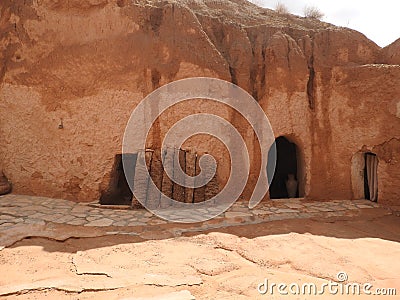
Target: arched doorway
(364, 176)
(285, 180)
(371, 176)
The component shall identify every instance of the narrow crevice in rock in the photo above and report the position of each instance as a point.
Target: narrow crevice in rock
(310, 86)
(263, 80)
(87, 273)
(242, 255)
(65, 290)
(233, 75)
(155, 78)
(254, 71)
(258, 67)
(289, 49)
(311, 80)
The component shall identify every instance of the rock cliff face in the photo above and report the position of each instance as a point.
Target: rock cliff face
(391, 53)
(72, 72)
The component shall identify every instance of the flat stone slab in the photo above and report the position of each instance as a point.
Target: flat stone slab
(101, 222)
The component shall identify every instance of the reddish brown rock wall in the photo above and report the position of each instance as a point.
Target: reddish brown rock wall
(87, 64)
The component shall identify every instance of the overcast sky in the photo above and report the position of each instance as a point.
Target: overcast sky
(379, 20)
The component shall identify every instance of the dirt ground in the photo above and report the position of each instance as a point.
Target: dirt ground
(229, 263)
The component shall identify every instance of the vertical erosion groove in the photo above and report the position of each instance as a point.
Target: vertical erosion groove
(311, 80)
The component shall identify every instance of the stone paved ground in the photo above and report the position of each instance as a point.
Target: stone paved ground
(19, 209)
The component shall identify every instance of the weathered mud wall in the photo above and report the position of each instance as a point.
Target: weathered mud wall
(72, 72)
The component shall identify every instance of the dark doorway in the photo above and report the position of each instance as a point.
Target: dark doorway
(371, 177)
(118, 192)
(284, 183)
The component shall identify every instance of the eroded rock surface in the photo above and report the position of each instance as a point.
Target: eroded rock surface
(72, 72)
(227, 264)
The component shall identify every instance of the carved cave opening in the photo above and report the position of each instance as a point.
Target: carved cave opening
(118, 192)
(285, 181)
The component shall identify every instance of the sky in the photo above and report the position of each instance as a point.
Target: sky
(378, 20)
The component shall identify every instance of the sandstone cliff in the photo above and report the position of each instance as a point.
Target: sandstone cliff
(86, 65)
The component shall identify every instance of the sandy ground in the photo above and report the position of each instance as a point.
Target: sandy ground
(228, 263)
